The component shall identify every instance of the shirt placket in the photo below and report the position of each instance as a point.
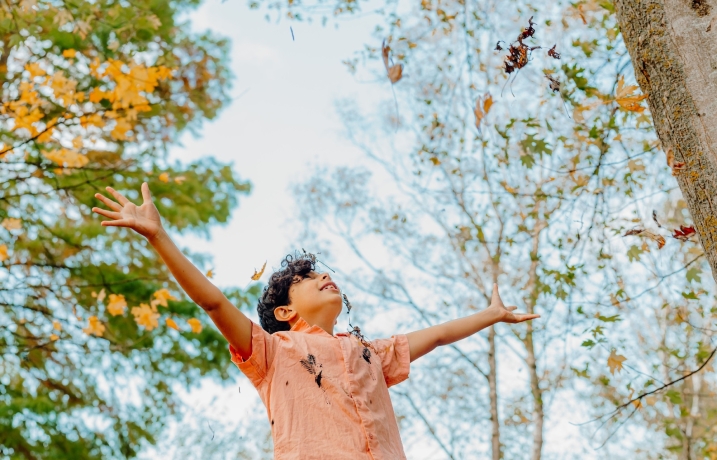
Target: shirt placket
(354, 389)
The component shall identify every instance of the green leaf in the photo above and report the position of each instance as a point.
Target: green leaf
(588, 344)
(633, 254)
(693, 274)
(609, 319)
(527, 160)
(674, 396)
(690, 295)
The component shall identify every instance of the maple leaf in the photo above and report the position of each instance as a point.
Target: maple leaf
(210, 274)
(483, 105)
(11, 223)
(195, 324)
(146, 316)
(637, 231)
(614, 362)
(395, 72)
(170, 323)
(117, 305)
(258, 274)
(626, 99)
(34, 70)
(162, 296)
(684, 233)
(95, 327)
(3, 252)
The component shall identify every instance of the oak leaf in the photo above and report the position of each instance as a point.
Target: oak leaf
(626, 99)
(95, 327)
(195, 324)
(258, 274)
(614, 362)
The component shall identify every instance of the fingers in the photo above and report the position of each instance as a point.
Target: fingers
(511, 308)
(146, 196)
(110, 204)
(524, 317)
(115, 223)
(110, 214)
(118, 196)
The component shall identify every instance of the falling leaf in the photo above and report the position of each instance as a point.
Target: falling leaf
(258, 274)
(483, 105)
(210, 274)
(56, 325)
(146, 316)
(626, 99)
(614, 362)
(684, 233)
(395, 72)
(117, 305)
(552, 53)
(659, 239)
(162, 296)
(170, 323)
(10, 223)
(195, 324)
(3, 252)
(164, 177)
(95, 327)
(554, 83)
(179, 179)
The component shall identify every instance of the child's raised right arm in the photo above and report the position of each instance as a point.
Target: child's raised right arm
(145, 220)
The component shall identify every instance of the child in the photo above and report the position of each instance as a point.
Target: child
(326, 395)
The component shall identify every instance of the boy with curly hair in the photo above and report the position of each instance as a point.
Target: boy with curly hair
(326, 394)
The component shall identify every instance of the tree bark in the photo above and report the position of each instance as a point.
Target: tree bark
(673, 46)
(493, 390)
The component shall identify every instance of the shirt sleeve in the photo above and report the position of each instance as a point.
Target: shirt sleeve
(263, 350)
(395, 358)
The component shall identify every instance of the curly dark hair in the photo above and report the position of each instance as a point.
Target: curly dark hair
(276, 292)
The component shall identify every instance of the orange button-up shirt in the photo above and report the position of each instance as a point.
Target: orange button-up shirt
(327, 396)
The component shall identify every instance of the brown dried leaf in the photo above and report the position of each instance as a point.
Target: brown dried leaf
(394, 72)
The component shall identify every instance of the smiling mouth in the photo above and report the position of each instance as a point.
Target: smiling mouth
(330, 287)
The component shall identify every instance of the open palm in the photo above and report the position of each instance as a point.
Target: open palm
(142, 219)
(508, 314)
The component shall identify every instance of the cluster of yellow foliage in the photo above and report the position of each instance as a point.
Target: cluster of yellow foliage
(145, 315)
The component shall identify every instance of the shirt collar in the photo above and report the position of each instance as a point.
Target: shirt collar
(303, 326)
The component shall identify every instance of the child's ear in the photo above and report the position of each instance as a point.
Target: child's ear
(284, 313)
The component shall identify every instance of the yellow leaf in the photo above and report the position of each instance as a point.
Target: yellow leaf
(258, 274)
(210, 274)
(119, 132)
(483, 105)
(435, 161)
(626, 99)
(164, 177)
(10, 223)
(614, 362)
(196, 325)
(180, 179)
(34, 69)
(170, 323)
(146, 316)
(66, 158)
(162, 296)
(56, 325)
(69, 53)
(117, 305)
(3, 252)
(54, 337)
(95, 327)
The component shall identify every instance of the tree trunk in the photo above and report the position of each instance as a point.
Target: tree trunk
(673, 46)
(493, 389)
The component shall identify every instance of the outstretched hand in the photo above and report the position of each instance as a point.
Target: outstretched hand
(506, 314)
(142, 219)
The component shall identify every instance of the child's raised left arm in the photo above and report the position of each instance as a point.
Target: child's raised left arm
(426, 340)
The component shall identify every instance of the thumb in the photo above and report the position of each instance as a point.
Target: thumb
(495, 298)
(146, 196)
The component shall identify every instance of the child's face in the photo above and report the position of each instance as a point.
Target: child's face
(315, 298)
